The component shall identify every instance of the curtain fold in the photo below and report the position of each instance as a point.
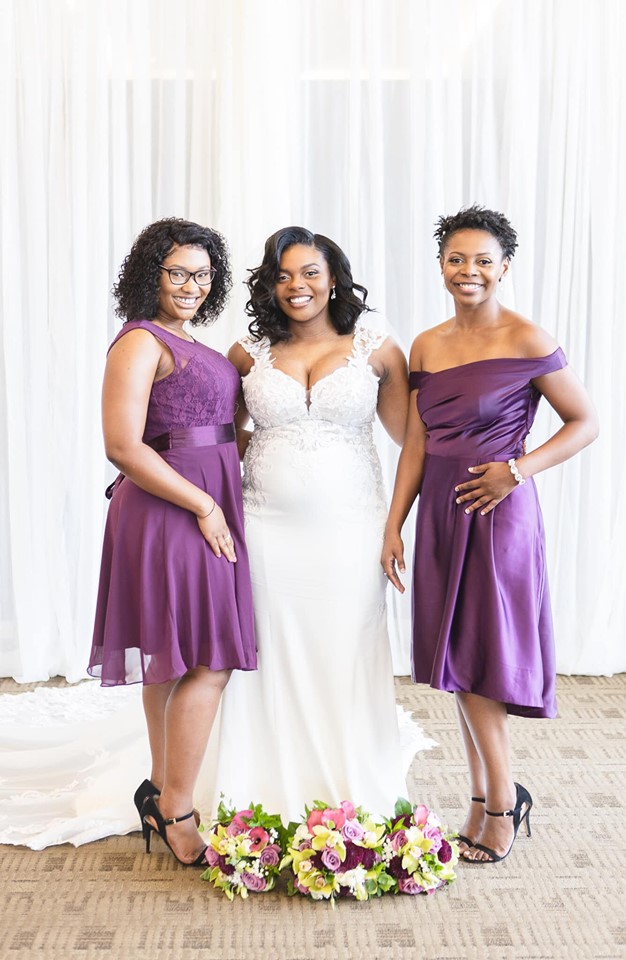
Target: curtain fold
(361, 119)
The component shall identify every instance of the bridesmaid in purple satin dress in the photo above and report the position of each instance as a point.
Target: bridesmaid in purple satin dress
(174, 607)
(482, 626)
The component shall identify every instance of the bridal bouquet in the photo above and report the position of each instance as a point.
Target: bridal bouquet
(337, 852)
(245, 849)
(418, 852)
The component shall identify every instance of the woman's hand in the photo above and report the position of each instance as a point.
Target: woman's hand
(494, 484)
(393, 552)
(215, 531)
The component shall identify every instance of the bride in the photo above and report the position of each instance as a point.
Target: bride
(319, 719)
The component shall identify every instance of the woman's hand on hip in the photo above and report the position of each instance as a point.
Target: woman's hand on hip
(215, 531)
(486, 491)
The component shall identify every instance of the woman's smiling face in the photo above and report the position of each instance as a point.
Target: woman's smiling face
(304, 284)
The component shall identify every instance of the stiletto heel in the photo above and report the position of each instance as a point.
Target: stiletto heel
(148, 789)
(460, 836)
(522, 800)
(160, 825)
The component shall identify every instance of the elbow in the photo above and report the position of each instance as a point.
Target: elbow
(119, 454)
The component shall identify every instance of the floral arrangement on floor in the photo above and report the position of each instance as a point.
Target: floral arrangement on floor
(245, 849)
(337, 852)
(417, 851)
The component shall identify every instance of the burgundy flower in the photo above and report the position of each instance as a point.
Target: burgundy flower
(226, 868)
(353, 857)
(396, 869)
(445, 853)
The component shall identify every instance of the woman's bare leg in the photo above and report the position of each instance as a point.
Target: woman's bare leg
(487, 723)
(189, 714)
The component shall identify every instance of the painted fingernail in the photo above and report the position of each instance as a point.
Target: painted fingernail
(458, 499)
(468, 510)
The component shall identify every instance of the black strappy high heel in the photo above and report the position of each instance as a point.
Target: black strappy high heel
(522, 800)
(460, 837)
(150, 809)
(148, 789)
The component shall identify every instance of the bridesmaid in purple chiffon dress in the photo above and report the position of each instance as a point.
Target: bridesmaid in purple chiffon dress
(482, 625)
(174, 605)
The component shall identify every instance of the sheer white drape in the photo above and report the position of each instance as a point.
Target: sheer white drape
(362, 119)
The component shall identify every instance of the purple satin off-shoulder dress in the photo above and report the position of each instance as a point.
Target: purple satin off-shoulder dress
(481, 607)
(166, 603)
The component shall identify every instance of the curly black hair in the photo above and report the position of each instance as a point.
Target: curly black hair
(137, 289)
(268, 319)
(477, 218)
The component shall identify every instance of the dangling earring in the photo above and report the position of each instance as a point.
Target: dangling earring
(332, 293)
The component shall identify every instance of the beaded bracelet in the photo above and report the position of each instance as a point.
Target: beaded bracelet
(210, 511)
(516, 474)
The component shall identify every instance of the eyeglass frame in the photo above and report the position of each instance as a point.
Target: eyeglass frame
(190, 276)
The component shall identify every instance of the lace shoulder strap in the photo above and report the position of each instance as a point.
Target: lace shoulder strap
(367, 338)
(259, 350)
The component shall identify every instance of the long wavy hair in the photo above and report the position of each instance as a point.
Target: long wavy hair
(269, 320)
(137, 289)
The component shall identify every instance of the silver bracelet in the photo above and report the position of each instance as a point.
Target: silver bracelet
(516, 474)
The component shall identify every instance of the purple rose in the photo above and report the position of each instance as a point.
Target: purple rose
(253, 882)
(211, 856)
(270, 856)
(434, 835)
(409, 885)
(331, 859)
(398, 840)
(396, 869)
(445, 853)
(352, 830)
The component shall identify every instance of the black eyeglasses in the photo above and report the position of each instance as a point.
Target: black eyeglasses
(178, 276)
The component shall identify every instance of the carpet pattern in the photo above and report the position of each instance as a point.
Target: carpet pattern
(561, 894)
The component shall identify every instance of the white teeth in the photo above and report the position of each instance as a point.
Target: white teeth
(188, 301)
(299, 299)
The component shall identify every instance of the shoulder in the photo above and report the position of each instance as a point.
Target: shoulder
(135, 340)
(529, 340)
(243, 354)
(423, 343)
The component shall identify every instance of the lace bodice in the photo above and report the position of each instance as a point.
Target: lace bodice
(314, 444)
(346, 396)
(201, 389)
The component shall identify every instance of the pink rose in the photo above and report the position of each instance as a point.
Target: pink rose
(420, 814)
(270, 856)
(237, 824)
(348, 809)
(398, 840)
(314, 820)
(253, 882)
(211, 856)
(259, 838)
(336, 817)
(409, 886)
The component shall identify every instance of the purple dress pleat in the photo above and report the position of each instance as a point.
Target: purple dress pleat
(165, 602)
(481, 607)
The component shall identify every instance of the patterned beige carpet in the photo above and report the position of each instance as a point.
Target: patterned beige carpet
(561, 894)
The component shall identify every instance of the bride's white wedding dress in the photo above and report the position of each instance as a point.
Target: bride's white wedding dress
(318, 721)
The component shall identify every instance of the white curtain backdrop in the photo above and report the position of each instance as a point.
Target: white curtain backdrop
(362, 119)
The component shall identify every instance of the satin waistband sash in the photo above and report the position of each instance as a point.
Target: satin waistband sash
(206, 436)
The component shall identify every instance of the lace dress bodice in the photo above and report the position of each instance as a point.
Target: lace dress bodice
(316, 444)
